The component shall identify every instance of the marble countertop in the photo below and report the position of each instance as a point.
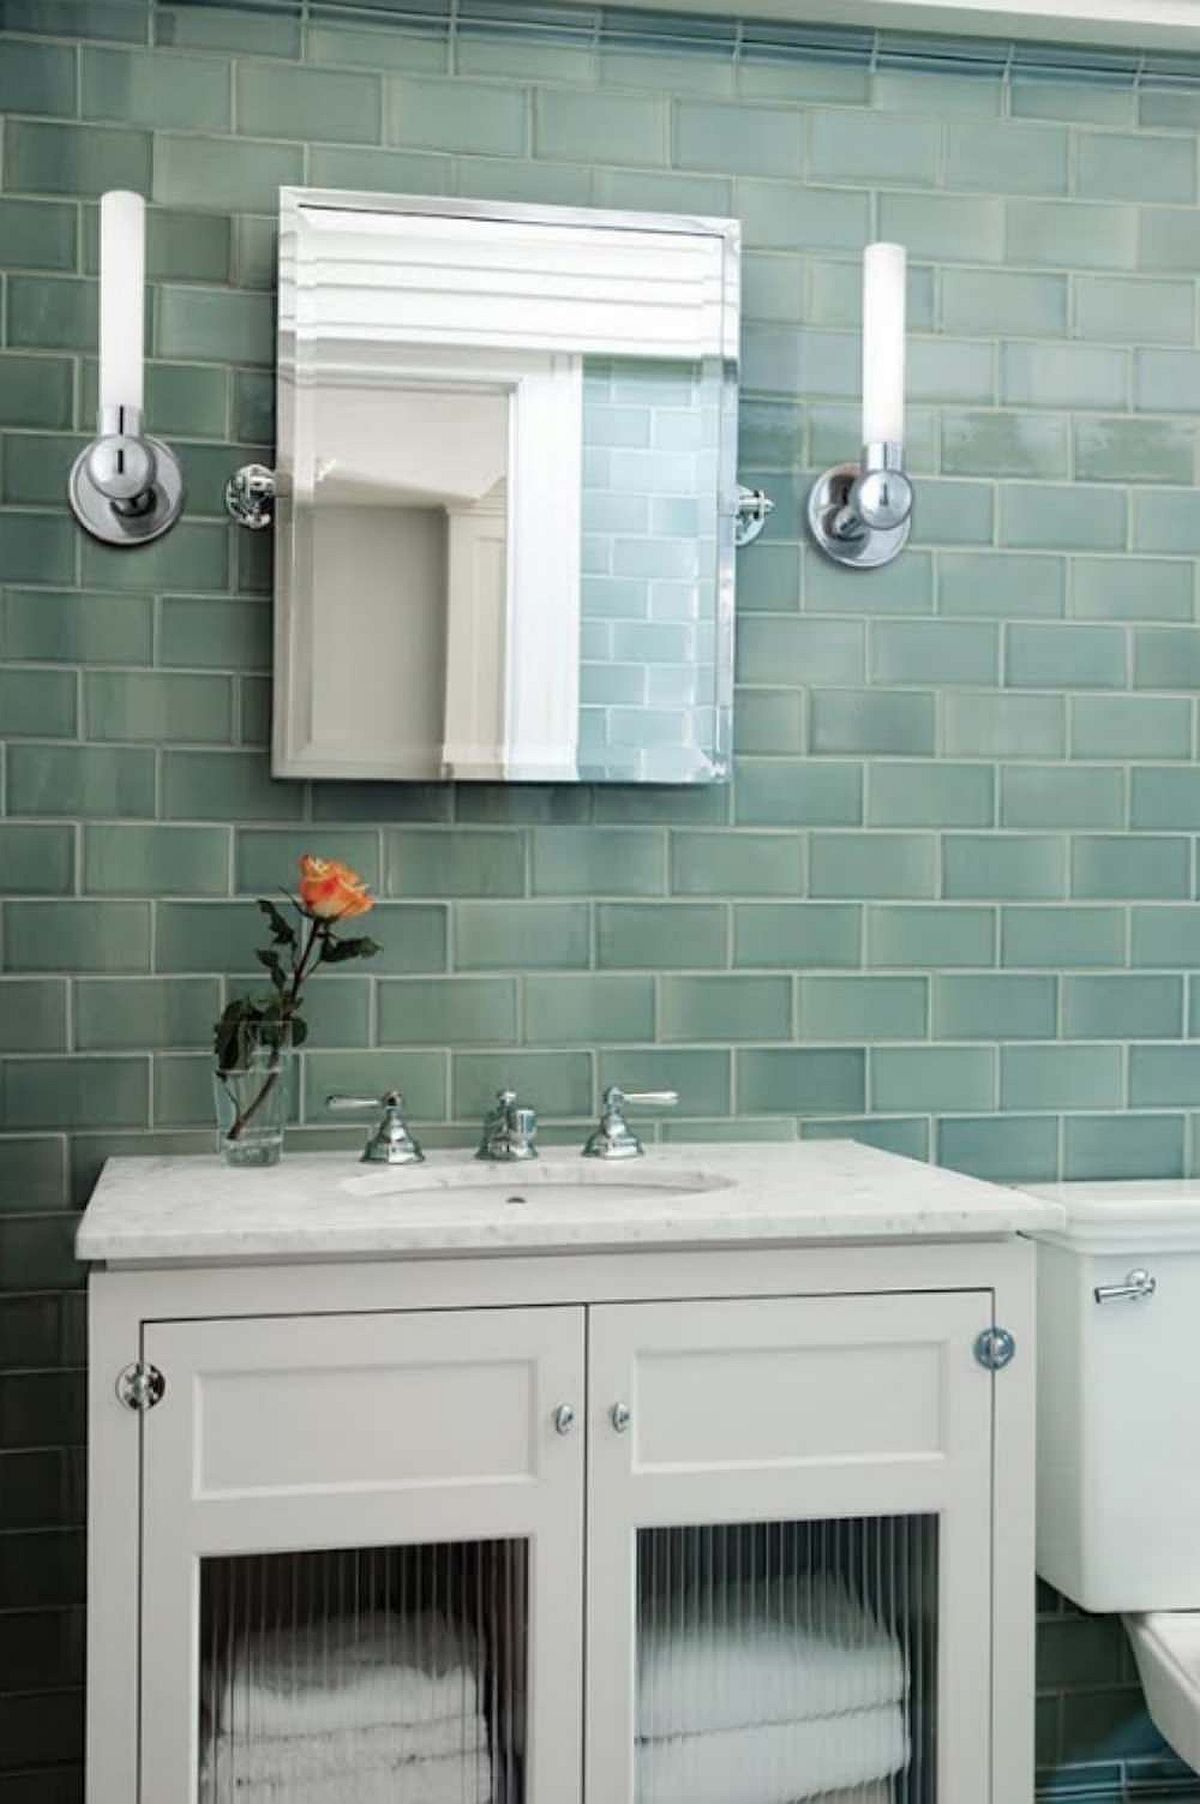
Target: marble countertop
(163, 1211)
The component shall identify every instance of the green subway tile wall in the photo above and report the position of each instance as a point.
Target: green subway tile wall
(951, 902)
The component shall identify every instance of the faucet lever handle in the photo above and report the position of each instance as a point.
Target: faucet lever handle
(614, 1138)
(614, 1096)
(391, 1143)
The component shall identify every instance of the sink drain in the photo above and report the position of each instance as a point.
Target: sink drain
(514, 1199)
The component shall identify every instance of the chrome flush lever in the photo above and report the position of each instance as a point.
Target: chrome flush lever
(1139, 1287)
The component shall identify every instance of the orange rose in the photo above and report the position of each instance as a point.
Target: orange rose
(332, 891)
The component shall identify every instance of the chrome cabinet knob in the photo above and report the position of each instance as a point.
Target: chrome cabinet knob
(620, 1415)
(564, 1419)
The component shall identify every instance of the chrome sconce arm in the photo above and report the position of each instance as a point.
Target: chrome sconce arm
(860, 514)
(125, 488)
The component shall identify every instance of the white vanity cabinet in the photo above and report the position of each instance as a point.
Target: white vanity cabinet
(553, 1518)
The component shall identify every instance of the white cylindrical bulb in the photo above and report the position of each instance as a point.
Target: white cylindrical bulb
(884, 274)
(122, 298)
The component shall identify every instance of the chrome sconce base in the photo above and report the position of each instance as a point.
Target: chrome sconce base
(250, 497)
(860, 515)
(125, 488)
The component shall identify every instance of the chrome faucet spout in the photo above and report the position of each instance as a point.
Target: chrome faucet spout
(509, 1131)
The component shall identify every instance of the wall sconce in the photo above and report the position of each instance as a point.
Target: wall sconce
(861, 514)
(125, 487)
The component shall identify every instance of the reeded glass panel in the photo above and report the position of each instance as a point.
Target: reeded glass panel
(778, 1662)
(365, 1676)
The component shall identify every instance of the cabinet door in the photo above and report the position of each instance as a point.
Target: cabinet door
(789, 1552)
(362, 1559)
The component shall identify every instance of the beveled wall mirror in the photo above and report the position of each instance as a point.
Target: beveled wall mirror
(506, 492)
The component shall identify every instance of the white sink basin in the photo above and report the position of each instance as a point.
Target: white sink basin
(529, 1183)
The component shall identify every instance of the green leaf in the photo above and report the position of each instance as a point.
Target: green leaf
(270, 958)
(299, 1030)
(336, 952)
(282, 931)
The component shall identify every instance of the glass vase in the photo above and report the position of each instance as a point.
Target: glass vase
(252, 1107)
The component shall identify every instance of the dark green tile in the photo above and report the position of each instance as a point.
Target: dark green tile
(863, 1009)
(471, 862)
(33, 1015)
(216, 323)
(37, 704)
(775, 649)
(1062, 937)
(497, 936)
(920, 793)
(224, 174)
(35, 391)
(1061, 1077)
(930, 936)
(1160, 1076)
(36, 860)
(273, 30)
(225, 635)
(193, 555)
(145, 87)
(37, 548)
(726, 1008)
(1134, 450)
(1129, 588)
(657, 934)
(37, 78)
(120, 1014)
(801, 1080)
(1012, 1149)
(75, 159)
(1165, 799)
(275, 101)
(161, 708)
(224, 786)
(156, 861)
(588, 1011)
(420, 1075)
(1004, 866)
(1125, 1006)
(50, 627)
(1123, 1146)
(865, 721)
(780, 792)
(80, 780)
(1046, 795)
(596, 861)
(32, 1175)
(860, 865)
(701, 1078)
(1131, 868)
(933, 1078)
(1131, 726)
(806, 935)
(558, 1083)
(76, 1093)
(77, 936)
(732, 864)
(1166, 657)
(267, 859)
(448, 1011)
(994, 1006)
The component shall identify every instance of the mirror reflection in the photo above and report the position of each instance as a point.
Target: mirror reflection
(506, 493)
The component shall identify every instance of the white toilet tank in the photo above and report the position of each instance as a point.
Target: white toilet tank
(1118, 1472)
